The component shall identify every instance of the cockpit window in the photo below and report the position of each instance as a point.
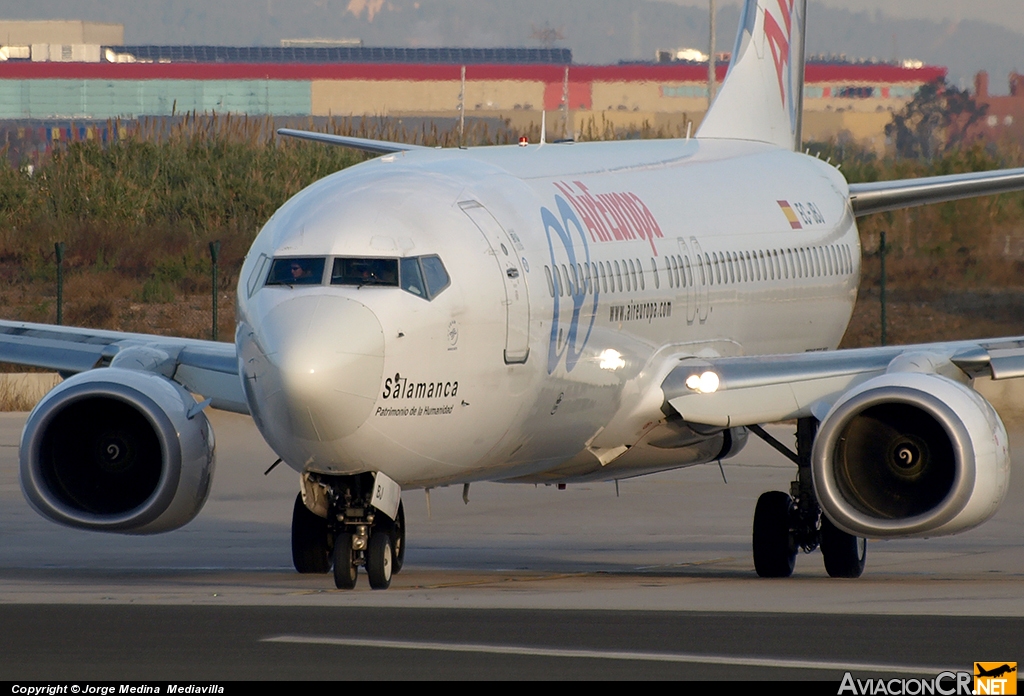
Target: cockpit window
(360, 271)
(435, 275)
(423, 276)
(297, 271)
(412, 279)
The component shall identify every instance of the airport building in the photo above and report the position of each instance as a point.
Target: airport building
(48, 80)
(1004, 115)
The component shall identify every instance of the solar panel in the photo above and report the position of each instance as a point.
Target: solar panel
(346, 54)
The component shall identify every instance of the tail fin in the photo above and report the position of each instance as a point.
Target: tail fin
(762, 97)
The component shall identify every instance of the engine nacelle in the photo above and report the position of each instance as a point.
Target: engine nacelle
(911, 455)
(117, 450)
(735, 441)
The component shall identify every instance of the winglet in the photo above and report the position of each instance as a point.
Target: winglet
(376, 147)
(763, 93)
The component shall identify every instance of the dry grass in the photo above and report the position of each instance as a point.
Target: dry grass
(21, 392)
(138, 214)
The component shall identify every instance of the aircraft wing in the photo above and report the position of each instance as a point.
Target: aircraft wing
(209, 368)
(880, 196)
(738, 391)
(376, 147)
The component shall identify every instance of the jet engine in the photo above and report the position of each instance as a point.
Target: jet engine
(910, 455)
(118, 450)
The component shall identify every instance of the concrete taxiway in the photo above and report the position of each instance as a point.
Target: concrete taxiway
(670, 552)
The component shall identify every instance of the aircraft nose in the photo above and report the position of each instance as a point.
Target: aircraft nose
(324, 361)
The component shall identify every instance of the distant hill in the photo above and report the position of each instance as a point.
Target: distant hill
(598, 31)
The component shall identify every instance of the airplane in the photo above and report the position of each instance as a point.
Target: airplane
(547, 313)
(995, 672)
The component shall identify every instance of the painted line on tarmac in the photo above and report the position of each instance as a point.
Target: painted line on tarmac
(727, 660)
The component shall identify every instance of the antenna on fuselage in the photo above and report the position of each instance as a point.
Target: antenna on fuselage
(543, 126)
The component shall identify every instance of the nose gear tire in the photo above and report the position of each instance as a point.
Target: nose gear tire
(344, 567)
(379, 561)
(398, 541)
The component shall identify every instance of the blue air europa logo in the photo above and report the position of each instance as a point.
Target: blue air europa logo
(564, 231)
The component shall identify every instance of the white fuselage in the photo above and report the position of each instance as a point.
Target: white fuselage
(577, 272)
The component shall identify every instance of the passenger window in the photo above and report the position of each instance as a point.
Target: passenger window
(551, 285)
(360, 272)
(657, 278)
(297, 271)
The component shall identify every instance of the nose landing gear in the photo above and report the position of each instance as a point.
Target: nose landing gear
(333, 524)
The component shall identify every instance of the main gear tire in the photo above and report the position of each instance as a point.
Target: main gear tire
(844, 553)
(311, 540)
(774, 543)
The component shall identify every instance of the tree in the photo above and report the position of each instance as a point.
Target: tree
(939, 118)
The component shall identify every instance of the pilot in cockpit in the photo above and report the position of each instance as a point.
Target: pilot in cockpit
(299, 271)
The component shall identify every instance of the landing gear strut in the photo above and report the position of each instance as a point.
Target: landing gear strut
(787, 523)
(336, 526)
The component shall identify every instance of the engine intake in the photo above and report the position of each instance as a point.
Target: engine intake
(910, 454)
(115, 450)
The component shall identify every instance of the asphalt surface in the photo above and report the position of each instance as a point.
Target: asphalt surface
(523, 582)
(357, 643)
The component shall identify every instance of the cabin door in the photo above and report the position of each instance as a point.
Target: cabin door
(517, 300)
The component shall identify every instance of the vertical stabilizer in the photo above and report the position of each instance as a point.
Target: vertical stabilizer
(762, 97)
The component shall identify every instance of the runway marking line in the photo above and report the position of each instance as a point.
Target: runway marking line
(632, 656)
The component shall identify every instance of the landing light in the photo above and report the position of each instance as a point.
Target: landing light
(706, 383)
(612, 360)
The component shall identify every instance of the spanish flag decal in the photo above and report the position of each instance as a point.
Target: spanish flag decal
(794, 221)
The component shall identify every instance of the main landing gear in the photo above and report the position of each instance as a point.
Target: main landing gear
(787, 523)
(336, 527)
